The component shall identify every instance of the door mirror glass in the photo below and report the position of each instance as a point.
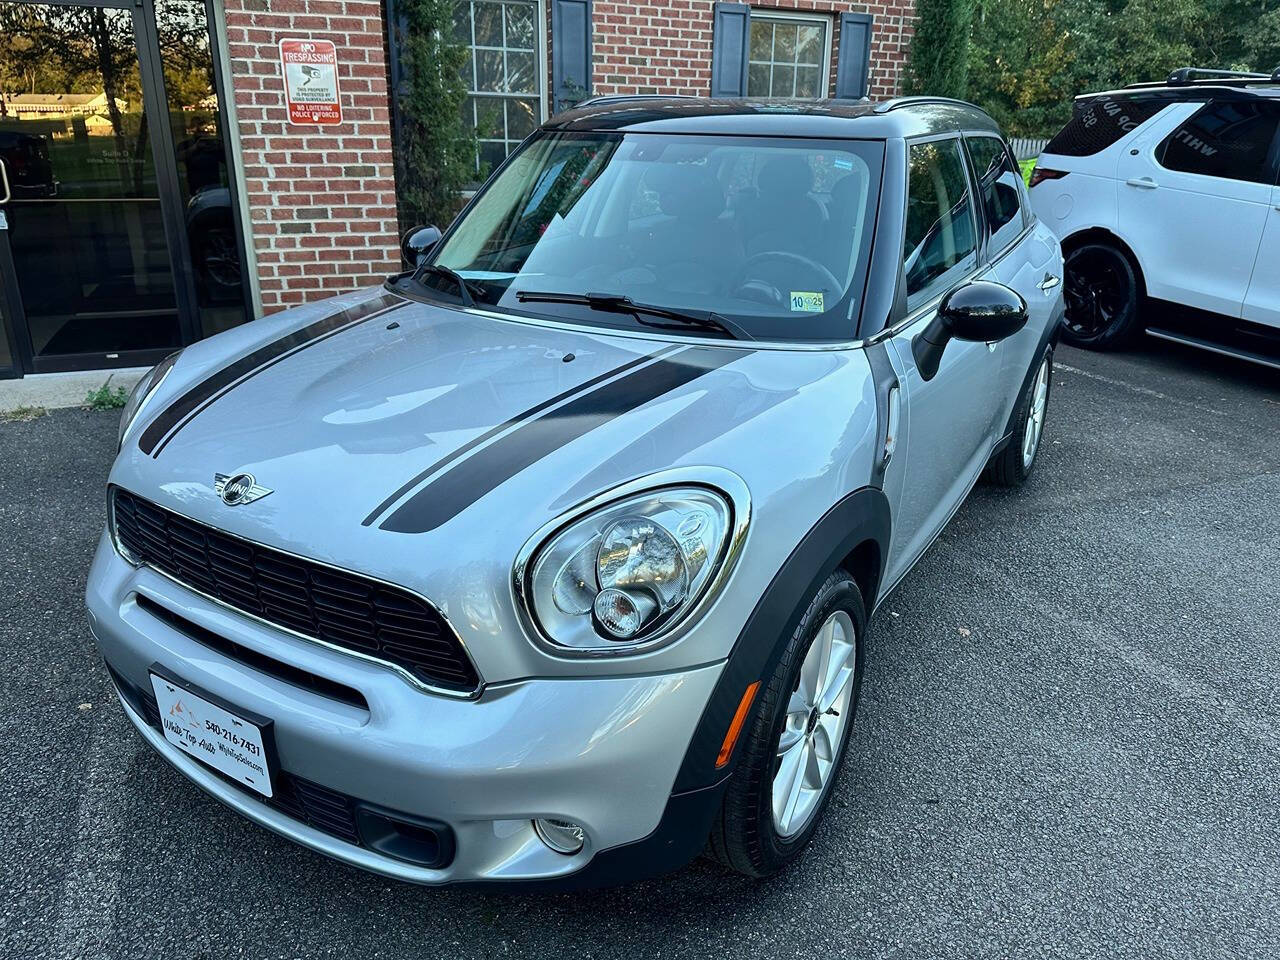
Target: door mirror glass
(983, 311)
(417, 244)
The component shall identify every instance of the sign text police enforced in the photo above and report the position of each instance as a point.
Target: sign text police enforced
(310, 69)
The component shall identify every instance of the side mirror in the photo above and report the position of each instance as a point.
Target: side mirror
(417, 243)
(979, 311)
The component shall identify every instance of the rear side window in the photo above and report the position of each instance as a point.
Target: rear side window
(1098, 122)
(998, 181)
(940, 237)
(1233, 140)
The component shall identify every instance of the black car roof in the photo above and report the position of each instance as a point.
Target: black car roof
(819, 119)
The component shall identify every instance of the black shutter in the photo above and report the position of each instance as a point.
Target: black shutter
(855, 56)
(570, 52)
(730, 38)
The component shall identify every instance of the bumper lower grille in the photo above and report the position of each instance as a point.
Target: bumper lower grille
(339, 608)
(319, 807)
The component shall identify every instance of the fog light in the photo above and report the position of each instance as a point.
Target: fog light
(562, 836)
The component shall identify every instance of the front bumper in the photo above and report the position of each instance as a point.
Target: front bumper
(603, 752)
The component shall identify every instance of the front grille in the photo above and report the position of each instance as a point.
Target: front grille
(344, 609)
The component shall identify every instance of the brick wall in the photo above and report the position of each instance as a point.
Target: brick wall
(664, 46)
(321, 198)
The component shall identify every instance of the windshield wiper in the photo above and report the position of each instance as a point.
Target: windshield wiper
(464, 285)
(617, 303)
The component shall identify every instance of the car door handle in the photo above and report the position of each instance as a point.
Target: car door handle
(1049, 282)
(1145, 183)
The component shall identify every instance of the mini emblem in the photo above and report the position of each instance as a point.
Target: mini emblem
(241, 488)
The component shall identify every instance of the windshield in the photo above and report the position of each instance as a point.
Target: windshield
(770, 234)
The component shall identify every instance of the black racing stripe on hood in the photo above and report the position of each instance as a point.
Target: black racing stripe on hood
(182, 410)
(458, 488)
(507, 425)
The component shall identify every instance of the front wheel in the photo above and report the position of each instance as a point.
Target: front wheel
(1012, 465)
(794, 749)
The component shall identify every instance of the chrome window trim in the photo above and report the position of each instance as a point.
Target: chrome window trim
(452, 693)
(724, 482)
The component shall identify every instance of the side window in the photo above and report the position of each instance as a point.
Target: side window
(998, 183)
(1098, 122)
(940, 242)
(1230, 139)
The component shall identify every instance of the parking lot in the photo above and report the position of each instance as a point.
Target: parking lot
(1068, 746)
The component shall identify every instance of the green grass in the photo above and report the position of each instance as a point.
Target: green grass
(106, 397)
(1027, 166)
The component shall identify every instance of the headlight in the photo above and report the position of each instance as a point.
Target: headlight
(621, 577)
(150, 380)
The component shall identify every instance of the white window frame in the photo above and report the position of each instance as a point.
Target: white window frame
(809, 17)
(542, 81)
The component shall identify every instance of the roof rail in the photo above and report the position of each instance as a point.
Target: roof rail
(1185, 76)
(898, 103)
(615, 97)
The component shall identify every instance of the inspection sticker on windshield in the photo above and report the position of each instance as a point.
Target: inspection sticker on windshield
(805, 301)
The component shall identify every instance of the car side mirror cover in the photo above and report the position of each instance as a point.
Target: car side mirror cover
(979, 311)
(983, 312)
(417, 244)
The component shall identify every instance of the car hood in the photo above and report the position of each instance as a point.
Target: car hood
(424, 445)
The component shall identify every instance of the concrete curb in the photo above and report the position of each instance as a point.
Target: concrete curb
(54, 390)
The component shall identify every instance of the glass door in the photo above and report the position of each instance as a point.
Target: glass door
(121, 226)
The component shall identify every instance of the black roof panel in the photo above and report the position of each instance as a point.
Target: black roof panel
(819, 119)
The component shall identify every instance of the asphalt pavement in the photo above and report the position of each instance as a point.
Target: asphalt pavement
(1068, 746)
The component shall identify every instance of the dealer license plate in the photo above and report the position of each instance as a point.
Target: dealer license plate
(213, 735)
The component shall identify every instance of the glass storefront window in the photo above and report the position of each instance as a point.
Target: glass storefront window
(85, 226)
(196, 121)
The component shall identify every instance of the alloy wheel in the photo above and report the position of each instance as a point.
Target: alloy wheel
(1035, 415)
(817, 715)
(1097, 291)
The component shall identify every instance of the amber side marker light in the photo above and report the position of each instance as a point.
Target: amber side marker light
(735, 725)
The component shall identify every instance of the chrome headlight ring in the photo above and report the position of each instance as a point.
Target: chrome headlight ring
(648, 556)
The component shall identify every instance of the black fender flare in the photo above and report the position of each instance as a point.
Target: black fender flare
(860, 517)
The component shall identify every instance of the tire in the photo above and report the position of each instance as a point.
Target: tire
(1103, 294)
(1012, 465)
(746, 836)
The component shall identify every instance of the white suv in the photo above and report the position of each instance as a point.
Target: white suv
(1168, 193)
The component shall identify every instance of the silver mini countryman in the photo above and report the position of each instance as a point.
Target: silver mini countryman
(552, 558)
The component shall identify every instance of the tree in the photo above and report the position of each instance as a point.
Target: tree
(939, 61)
(1029, 58)
(437, 155)
(1019, 58)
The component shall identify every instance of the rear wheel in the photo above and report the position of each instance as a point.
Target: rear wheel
(1102, 296)
(794, 749)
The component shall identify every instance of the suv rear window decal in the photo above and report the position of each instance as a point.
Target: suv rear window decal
(1098, 122)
